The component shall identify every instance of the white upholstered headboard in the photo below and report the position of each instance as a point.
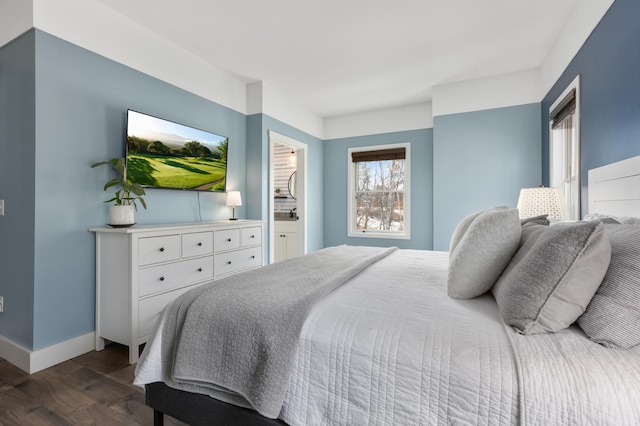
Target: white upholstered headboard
(614, 189)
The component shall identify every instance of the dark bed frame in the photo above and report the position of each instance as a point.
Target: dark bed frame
(196, 409)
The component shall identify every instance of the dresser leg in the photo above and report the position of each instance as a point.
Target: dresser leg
(133, 354)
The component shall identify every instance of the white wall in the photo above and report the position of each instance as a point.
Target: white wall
(263, 98)
(388, 120)
(581, 23)
(16, 17)
(487, 93)
(93, 26)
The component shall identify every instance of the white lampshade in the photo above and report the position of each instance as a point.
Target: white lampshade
(234, 199)
(542, 200)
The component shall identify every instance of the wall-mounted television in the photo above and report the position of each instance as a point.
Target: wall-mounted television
(164, 154)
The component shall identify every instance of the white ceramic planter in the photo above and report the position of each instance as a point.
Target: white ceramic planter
(121, 215)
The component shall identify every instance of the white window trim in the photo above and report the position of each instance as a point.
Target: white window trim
(351, 210)
(575, 84)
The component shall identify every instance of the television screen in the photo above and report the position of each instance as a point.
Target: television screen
(163, 154)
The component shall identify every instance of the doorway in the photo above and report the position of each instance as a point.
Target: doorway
(287, 200)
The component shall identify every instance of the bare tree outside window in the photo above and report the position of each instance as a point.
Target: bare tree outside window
(380, 195)
(380, 191)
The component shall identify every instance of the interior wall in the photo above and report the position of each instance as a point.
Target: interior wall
(608, 65)
(17, 187)
(82, 100)
(482, 159)
(336, 191)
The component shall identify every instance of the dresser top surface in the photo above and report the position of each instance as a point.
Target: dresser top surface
(218, 224)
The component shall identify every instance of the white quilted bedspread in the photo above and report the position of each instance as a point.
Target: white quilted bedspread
(565, 379)
(391, 348)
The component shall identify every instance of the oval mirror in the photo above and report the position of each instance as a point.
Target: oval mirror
(292, 185)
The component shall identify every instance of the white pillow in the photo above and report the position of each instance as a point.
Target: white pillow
(481, 247)
(625, 220)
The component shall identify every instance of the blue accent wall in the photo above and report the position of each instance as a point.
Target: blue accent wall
(258, 127)
(78, 119)
(17, 187)
(336, 180)
(609, 68)
(482, 159)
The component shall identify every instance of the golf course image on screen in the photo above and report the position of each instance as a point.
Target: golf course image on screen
(164, 154)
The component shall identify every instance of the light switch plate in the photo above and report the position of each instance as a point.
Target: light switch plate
(1, 207)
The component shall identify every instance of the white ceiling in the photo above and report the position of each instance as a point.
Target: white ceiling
(337, 57)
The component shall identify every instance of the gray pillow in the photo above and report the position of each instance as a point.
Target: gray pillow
(553, 275)
(481, 247)
(541, 220)
(613, 316)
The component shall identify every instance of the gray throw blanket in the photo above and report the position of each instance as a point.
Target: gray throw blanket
(235, 339)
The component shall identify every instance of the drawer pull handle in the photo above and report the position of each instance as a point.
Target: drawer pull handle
(229, 262)
(161, 278)
(253, 236)
(199, 244)
(253, 257)
(229, 239)
(199, 269)
(161, 248)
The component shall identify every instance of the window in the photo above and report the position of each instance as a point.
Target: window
(379, 196)
(564, 149)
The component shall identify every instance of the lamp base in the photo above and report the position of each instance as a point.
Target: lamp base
(233, 218)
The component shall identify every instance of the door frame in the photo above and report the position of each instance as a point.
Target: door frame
(301, 190)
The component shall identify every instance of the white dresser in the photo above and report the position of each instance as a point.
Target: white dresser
(141, 269)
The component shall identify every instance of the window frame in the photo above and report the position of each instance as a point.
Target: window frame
(560, 162)
(352, 210)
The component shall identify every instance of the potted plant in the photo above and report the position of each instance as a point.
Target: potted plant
(126, 196)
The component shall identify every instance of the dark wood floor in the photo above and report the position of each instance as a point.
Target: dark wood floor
(92, 389)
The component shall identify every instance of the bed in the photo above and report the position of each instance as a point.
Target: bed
(390, 345)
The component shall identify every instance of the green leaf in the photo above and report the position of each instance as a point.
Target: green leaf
(124, 194)
(137, 189)
(111, 183)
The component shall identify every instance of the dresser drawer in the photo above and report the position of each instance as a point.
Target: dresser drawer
(149, 309)
(227, 263)
(173, 275)
(251, 236)
(158, 249)
(197, 244)
(227, 239)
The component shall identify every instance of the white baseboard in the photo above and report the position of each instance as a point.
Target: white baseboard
(34, 361)
(16, 354)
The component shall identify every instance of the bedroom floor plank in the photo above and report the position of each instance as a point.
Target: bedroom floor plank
(92, 389)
